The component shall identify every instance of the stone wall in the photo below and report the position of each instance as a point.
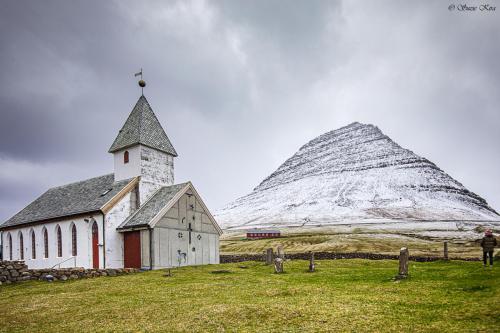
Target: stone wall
(330, 255)
(17, 271)
(157, 169)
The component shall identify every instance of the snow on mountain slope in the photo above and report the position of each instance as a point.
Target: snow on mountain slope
(354, 174)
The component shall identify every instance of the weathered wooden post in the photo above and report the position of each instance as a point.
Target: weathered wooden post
(269, 256)
(404, 256)
(445, 250)
(278, 265)
(311, 263)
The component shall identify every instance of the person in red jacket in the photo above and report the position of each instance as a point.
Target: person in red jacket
(488, 244)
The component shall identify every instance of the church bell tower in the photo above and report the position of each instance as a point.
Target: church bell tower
(142, 148)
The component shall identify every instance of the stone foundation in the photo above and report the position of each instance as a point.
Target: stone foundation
(17, 271)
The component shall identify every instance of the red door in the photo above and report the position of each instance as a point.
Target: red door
(95, 245)
(132, 249)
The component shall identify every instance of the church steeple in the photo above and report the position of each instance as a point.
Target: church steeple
(142, 148)
(142, 127)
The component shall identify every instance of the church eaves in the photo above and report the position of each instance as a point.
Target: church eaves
(142, 127)
(76, 198)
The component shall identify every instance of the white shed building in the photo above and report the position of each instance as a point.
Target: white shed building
(134, 217)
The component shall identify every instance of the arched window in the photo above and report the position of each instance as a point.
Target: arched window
(59, 241)
(9, 239)
(45, 243)
(95, 245)
(74, 250)
(21, 246)
(33, 245)
(125, 157)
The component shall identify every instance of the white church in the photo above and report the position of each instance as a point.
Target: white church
(135, 217)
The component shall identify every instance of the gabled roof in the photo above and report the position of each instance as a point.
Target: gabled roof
(150, 208)
(72, 199)
(159, 203)
(142, 127)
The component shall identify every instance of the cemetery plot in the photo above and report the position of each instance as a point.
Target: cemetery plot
(340, 295)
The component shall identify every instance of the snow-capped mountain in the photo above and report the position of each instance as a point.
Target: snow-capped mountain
(354, 174)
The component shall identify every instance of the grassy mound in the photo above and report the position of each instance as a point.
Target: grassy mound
(384, 243)
(343, 295)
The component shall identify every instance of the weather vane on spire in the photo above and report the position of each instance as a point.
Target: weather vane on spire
(142, 83)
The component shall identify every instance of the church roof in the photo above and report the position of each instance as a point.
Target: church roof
(152, 207)
(76, 198)
(142, 127)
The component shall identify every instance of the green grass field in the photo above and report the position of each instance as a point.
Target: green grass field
(343, 295)
(350, 242)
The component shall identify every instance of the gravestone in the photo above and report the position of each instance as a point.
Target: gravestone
(404, 257)
(281, 252)
(269, 256)
(311, 263)
(278, 265)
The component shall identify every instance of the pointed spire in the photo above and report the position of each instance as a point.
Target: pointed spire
(142, 127)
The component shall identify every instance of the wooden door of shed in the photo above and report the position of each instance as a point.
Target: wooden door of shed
(132, 249)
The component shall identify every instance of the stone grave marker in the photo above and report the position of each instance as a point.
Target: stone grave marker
(312, 267)
(269, 256)
(404, 257)
(278, 265)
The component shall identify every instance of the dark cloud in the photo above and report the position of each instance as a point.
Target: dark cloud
(241, 85)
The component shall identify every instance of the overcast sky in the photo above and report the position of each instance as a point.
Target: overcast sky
(239, 86)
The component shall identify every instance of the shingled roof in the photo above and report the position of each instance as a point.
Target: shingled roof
(152, 207)
(142, 127)
(76, 198)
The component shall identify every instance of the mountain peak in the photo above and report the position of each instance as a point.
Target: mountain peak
(357, 172)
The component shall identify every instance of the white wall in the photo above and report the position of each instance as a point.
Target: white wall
(84, 244)
(171, 235)
(114, 239)
(130, 169)
(145, 263)
(156, 166)
(157, 169)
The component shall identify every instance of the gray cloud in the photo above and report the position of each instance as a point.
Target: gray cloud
(241, 85)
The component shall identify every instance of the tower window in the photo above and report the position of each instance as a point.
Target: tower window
(125, 157)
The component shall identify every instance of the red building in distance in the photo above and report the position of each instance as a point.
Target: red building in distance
(257, 234)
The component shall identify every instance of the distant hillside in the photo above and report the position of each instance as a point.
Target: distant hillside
(355, 174)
